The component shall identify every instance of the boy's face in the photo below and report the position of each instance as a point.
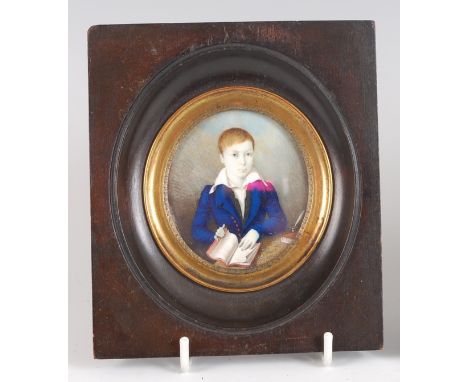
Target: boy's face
(238, 159)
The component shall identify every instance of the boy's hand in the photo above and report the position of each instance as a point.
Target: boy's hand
(249, 240)
(220, 232)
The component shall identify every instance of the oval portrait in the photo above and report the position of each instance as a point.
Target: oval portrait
(237, 189)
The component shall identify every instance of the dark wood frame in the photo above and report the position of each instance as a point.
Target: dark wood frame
(327, 69)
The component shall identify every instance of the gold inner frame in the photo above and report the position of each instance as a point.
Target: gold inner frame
(157, 170)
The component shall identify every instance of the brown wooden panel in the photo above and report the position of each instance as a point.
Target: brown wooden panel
(128, 321)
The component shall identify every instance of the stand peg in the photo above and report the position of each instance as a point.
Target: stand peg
(327, 348)
(184, 354)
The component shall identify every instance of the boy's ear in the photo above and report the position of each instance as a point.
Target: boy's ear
(221, 158)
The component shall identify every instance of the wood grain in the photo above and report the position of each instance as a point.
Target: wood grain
(127, 321)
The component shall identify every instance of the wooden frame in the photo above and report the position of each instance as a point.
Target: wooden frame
(140, 75)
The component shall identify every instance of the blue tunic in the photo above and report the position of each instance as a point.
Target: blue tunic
(264, 213)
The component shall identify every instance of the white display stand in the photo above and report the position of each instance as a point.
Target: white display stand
(327, 348)
(185, 351)
(184, 354)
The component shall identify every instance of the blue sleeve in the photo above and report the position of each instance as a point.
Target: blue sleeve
(276, 221)
(200, 232)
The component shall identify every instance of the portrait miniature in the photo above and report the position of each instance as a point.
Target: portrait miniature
(234, 188)
(237, 189)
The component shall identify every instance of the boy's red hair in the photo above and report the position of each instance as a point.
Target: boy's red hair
(232, 136)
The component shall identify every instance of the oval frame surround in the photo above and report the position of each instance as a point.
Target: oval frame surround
(189, 76)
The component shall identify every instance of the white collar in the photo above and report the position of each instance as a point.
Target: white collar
(223, 179)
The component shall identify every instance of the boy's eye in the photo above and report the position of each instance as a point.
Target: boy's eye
(249, 154)
(234, 155)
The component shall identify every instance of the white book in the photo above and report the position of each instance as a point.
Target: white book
(227, 250)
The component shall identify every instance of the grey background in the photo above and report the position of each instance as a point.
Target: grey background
(84, 13)
(196, 163)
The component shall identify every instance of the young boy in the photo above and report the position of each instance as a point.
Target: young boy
(239, 200)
